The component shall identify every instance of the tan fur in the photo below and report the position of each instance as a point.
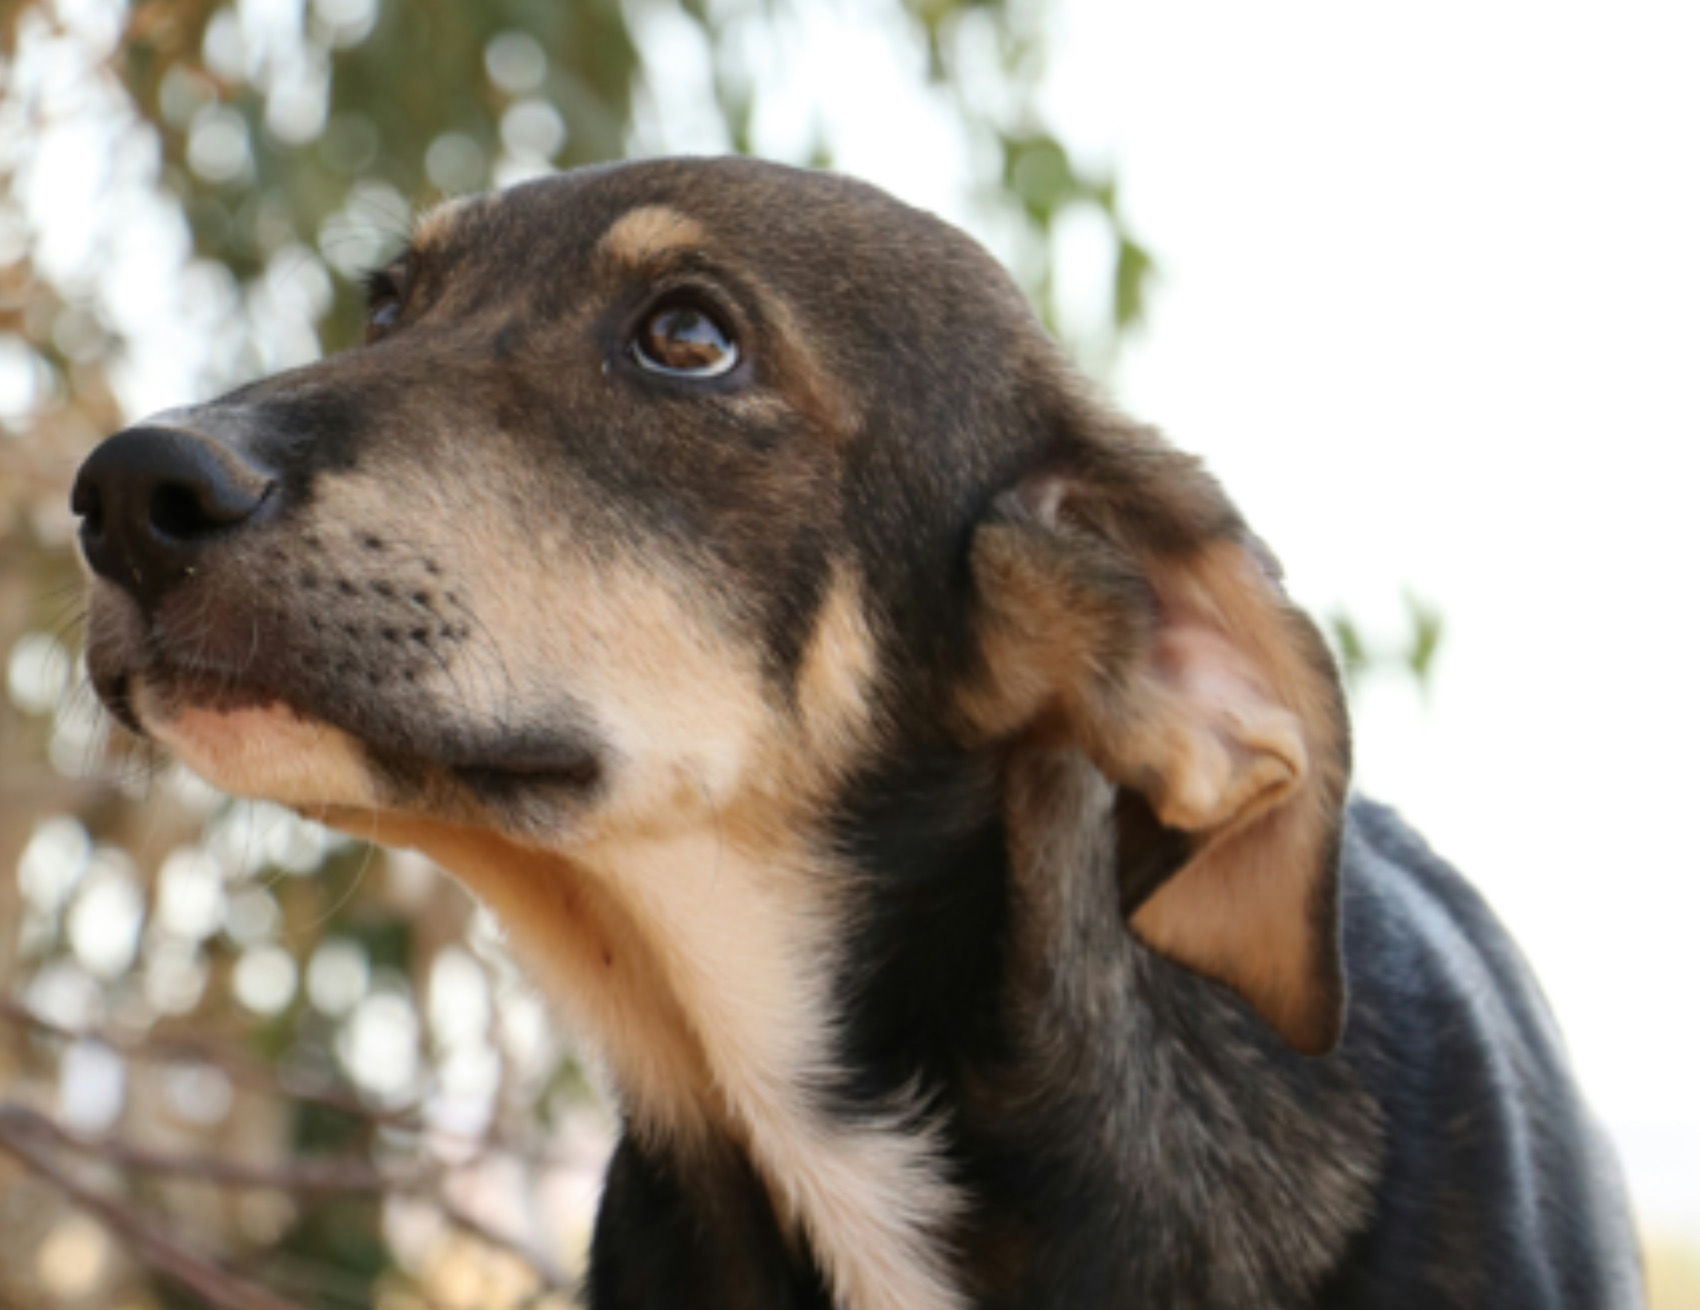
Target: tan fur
(699, 974)
(679, 700)
(440, 219)
(682, 925)
(587, 951)
(1243, 910)
(1040, 636)
(652, 654)
(645, 235)
(265, 753)
(838, 669)
(1186, 675)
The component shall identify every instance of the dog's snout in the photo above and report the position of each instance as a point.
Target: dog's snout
(152, 499)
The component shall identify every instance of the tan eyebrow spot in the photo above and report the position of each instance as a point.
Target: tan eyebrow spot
(646, 233)
(434, 224)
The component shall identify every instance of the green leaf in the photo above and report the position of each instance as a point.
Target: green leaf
(1133, 267)
(1040, 173)
(1428, 626)
(1354, 655)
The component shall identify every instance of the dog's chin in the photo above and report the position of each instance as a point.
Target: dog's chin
(261, 749)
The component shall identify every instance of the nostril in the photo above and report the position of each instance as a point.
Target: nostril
(181, 512)
(86, 504)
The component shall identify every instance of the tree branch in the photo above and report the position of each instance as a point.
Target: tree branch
(21, 1138)
(241, 1069)
(344, 1176)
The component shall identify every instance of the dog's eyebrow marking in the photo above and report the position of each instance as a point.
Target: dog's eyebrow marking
(646, 234)
(436, 221)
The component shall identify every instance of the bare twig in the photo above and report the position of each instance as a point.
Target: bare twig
(20, 1137)
(257, 1075)
(342, 1176)
(241, 1069)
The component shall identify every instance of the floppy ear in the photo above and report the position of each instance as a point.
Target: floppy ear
(1124, 608)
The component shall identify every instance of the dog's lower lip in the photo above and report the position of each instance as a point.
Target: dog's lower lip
(212, 689)
(201, 689)
(494, 769)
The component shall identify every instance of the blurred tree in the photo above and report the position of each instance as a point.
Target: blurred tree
(243, 1063)
(1413, 656)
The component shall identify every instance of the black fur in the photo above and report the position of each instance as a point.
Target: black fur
(1145, 1141)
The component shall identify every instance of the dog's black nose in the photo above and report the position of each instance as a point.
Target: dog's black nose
(153, 498)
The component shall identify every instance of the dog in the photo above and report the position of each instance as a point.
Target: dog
(907, 773)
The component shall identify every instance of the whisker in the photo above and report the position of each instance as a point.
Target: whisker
(354, 886)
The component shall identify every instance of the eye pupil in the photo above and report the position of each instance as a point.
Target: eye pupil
(685, 341)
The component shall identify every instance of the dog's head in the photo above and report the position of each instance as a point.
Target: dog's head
(686, 493)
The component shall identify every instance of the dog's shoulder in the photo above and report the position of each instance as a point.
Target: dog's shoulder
(1497, 1187)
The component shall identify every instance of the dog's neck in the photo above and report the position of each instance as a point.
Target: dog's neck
(708, 972)
(925, 1018)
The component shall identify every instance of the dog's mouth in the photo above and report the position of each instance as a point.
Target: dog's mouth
(315, 700)
(175, 689)
(232, 728)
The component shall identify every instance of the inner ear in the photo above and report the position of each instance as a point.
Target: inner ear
(1251, 756)
(1158, 641)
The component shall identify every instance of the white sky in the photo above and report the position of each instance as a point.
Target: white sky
(1429, 302)
(1431, 306)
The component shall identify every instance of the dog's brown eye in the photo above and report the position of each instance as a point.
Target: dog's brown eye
(683, 341)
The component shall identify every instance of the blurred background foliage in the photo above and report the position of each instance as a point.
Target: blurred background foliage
(242, 1062)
